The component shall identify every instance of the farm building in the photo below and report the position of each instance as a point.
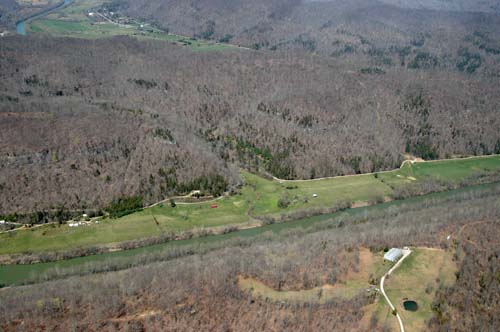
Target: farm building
(393, 255)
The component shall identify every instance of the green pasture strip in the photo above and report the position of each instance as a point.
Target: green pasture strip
(423, 269)
(72, 21)
(453, 171)
(17, 274)
(259, 197)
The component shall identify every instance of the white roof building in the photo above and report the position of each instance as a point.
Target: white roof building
(393, 255)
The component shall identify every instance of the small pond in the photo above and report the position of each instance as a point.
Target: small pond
(410, 305)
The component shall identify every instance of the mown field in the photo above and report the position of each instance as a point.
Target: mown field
(73, 21)
(418, 277)
(18, 274)
(452, 171)
(257, 199)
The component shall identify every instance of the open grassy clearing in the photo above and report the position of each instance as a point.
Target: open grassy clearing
(18, 274)
(37, 2)
(73, 21)
(417, 279)
(453, 171)
(357, 282)
(259, 197)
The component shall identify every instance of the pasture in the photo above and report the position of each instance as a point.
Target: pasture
(418, 277)
(74, 21)
(258, 198)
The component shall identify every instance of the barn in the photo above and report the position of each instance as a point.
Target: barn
(393, 255)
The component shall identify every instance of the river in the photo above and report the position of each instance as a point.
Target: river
(17, 274)
(21, 25)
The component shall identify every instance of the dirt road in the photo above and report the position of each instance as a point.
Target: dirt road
(406, 253)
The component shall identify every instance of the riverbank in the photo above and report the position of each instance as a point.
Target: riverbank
(21, 274)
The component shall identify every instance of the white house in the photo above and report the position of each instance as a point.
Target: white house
(393, 255)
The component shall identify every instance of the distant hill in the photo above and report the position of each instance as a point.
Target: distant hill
(8, 8)
(487, 6)
(12, 11)
(328, 27)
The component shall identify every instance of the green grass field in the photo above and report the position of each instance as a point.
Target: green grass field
(424, 269)
(16, 274)
(72, 21)
(259, 197)
(453, 171)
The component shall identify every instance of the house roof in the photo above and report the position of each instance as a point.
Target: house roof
(393, 254)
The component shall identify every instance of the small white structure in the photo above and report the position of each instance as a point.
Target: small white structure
(91, 14)
(85, 215)
(2, 222)
(393, 255)
(315, 195)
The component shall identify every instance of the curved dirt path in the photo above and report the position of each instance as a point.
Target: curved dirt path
(406, 254)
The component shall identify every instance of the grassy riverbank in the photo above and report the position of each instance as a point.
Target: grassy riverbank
(75, 20)
(18, 274)
(258, 199)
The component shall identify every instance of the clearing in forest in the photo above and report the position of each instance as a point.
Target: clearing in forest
(257, 199)
(417, 279)
(356, 283)
(80, 19)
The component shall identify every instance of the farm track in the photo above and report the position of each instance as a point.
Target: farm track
(400, 321)
(413, 161)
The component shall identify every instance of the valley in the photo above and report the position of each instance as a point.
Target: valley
(237, 166)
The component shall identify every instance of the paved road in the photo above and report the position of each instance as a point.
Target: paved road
(406, 253)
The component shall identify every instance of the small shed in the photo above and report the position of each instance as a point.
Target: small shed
(393, 255)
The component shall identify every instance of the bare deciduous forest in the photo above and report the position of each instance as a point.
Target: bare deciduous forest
(86, 122)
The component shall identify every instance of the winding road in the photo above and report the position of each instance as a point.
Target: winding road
(406, 253)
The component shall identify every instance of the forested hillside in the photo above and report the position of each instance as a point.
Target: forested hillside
(382, 34)
(7, 12)
(86, 122)
(12, 11)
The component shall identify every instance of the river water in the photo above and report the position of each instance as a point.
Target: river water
(21, 25)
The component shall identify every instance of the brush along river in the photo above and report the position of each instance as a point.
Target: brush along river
(19, 274)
